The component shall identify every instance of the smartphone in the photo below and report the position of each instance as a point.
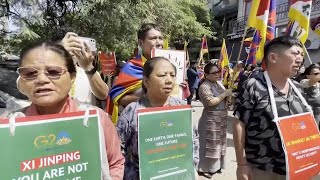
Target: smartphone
(90, 42)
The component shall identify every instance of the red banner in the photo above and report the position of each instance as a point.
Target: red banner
(108, 62)
(301, 140)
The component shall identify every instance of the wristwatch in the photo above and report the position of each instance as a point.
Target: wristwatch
(92, 71)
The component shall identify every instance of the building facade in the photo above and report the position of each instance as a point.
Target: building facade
(223, 11)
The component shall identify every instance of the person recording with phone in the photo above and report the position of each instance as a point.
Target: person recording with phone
(88, 83)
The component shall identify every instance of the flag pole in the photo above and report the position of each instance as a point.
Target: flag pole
(231, 51)
(208, 50)
(241, 46)
(305, 50)
(200, 57)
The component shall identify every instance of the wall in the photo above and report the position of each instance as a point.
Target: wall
(241, 8)
(224, 7)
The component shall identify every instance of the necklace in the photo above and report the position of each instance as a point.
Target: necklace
(277, 90)
(281, 94)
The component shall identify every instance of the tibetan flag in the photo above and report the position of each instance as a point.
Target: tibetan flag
(185, 46)
(166, 43)
(204, 46)
(248, 40)
(224, 59)
(299, 19)
(128, 81)
(247, 43)
(225, 75)
(253, 48)
(271, 26)
(315, 26)
(262, 17)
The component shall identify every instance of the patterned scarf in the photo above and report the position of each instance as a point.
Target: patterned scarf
(128, 81)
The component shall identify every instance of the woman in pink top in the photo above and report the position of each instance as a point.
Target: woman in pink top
(46, 74)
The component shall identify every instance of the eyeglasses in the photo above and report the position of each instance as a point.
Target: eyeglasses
(30, 73)
(215, 72)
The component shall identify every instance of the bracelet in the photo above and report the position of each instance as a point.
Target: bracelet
(92, 71)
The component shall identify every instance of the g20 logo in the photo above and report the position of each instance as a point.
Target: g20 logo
(50, 140)
(44, 141)
(166, 124)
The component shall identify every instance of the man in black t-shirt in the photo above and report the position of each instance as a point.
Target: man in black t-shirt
(257, 141)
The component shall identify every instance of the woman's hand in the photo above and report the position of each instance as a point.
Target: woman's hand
(85, 58)
(79, 50)
(183, 85)
(228, 92)
(71, 42)
(244, 172)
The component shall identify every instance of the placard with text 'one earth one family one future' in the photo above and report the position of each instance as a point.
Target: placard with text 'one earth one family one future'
(51, 147)
(165, 143)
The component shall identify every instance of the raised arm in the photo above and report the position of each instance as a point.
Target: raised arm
(98, 87)
(208, 97)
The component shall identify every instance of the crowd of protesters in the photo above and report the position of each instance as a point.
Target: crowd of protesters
(60, 74)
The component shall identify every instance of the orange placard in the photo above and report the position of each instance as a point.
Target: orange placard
(108, 62)
(301, 141)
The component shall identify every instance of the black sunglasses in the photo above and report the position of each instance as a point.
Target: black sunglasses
(215, 72)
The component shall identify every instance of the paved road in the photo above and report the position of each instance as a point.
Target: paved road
(230, 172)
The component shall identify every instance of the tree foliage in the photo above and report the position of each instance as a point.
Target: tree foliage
(113, 23)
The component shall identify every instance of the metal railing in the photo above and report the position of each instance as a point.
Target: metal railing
(238, 25)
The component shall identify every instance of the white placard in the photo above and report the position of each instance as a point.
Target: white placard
(178, 58)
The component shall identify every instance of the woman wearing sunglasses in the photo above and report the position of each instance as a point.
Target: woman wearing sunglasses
(311, 87)
(212, 125)
(46, 74)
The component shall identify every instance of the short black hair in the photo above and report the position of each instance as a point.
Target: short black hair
(310, 68)
(142, 32)
(57, 48)
(279, 44)
(193, 62)
(209, 66)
